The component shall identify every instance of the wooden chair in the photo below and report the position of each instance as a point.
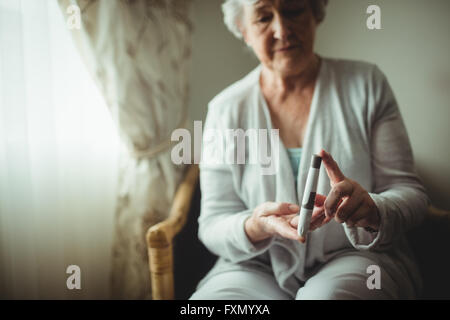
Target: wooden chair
(160, 238)
(429, 242)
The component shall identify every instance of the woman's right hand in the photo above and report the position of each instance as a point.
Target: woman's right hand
(281, 218)
(272, 218)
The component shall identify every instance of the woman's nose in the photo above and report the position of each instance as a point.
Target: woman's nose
(280, 29)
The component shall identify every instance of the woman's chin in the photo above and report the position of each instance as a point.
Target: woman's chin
(288, 67)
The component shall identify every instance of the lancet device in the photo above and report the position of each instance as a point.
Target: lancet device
(309, 196)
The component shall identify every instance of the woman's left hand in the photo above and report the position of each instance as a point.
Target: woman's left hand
(347, 200)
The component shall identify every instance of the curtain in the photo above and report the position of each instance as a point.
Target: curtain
(139, 52)
(58, 160)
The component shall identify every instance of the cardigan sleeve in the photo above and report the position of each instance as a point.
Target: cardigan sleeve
(397, 190)
(223, 213)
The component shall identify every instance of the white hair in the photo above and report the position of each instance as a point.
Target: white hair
(233, 12)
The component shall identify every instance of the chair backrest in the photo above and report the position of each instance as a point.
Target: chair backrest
(191, 258)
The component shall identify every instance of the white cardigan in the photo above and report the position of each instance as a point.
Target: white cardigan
(355, 117)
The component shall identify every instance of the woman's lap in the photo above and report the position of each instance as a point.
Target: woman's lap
(240, 285)
(347, 277)
(344, 277)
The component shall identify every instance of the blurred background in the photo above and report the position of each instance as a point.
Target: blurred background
(84, 164)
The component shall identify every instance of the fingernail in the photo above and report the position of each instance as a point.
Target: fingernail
(294, 207)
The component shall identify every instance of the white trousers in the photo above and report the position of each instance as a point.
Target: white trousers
(344, 277)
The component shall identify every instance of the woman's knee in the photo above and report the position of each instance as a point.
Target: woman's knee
(240, 285)
(347, 278)
(342, 288)
(223, 293)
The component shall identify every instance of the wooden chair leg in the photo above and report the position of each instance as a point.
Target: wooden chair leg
(161, 271)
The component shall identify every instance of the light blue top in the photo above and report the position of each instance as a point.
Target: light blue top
(295, 155)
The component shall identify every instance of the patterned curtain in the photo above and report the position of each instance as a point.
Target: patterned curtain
(138, 51)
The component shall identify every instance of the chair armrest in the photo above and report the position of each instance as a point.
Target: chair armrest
(160, 237)
(438, 216)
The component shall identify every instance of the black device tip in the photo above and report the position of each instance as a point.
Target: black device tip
(316, 161)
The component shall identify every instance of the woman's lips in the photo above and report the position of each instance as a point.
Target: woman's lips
(288, 48)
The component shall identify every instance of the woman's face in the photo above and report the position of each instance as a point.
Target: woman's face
(281, 33)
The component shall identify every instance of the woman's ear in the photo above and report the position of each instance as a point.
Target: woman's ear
(244, 34)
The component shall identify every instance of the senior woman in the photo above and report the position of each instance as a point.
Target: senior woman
(368, 193)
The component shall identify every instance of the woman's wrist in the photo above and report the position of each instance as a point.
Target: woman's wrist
(252, 231)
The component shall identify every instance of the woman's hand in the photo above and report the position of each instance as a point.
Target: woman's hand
(272, 218)
(347, 201)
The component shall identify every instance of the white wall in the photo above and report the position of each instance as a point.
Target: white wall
(413, 50)
(218, 58)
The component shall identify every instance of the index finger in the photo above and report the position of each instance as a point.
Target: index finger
(333, 171)
(280, 208)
